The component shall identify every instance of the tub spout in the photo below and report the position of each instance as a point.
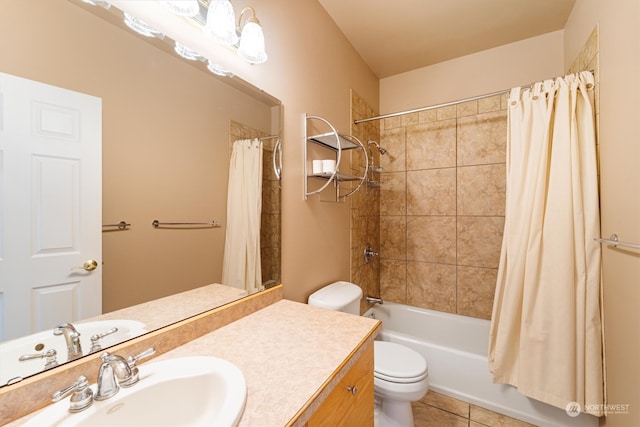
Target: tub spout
(374, 300)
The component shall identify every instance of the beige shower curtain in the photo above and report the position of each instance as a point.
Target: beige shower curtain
(241, 266)
(546, 328)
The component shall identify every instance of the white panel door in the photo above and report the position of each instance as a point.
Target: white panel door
(50, 206)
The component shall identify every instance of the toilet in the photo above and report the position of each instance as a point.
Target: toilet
(400, 374)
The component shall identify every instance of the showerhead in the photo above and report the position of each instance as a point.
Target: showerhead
(380, 149)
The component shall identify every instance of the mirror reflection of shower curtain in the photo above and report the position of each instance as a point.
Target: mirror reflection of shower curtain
(241, 267)
(546, 328)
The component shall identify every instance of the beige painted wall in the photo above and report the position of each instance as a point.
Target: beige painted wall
(152, 168)
(492, 70)
(619, 136)
(311, 68)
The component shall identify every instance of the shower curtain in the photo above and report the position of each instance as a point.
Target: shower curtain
(546, 326)
(241, 266)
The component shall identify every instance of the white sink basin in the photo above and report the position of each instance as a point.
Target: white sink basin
(187, 391)
(10, 351)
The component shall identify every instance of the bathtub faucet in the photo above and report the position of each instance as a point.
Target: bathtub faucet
(374, 300)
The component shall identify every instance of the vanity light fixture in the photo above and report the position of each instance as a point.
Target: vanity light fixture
(221, 22)
(247, 39)
(188, 8)
(251, 47)
(141, 27)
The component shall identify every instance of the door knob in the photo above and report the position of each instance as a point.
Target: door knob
(89, 265)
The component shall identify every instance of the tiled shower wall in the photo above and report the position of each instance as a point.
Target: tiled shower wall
(442, 206)
(270, 219)
(365, 204)
(441, 202)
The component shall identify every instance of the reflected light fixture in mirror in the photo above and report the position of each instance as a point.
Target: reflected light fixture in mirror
(141, 27)
(188, 8)
(187, 53)
(102, 3)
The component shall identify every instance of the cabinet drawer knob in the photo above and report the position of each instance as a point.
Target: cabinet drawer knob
(353, 389)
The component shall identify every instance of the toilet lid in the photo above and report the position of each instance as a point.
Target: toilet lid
(397, 363)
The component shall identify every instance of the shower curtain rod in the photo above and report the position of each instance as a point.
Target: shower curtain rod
(446, 104)
(431, 107)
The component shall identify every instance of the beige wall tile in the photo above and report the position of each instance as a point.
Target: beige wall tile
(431, 285)
(482, 138)
(392, 122)
(393, 237)
(445, 113)
(431, 192)
(393, 193)
(446, 180)
(467, 109)
(410, 119)
(475, 291)
(395, 143)
(393, 280)
(427, 116)
(431, 239)
(431, 145)
(479, 240)
(481, 189)
(492, 103)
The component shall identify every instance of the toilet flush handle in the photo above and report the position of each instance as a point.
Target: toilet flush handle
(353, 389)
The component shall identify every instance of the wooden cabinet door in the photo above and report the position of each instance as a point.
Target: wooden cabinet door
(351, 402)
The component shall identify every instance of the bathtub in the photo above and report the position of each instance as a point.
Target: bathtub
(455, 348)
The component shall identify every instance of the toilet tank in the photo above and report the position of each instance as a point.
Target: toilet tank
(338, 296)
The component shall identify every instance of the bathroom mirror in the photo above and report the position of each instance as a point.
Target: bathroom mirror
(167, 129)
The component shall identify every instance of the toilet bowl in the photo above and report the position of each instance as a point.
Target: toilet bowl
(400, 373)
(400, 377)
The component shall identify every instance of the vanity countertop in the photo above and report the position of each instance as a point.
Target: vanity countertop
(287, 351)
(163, 311)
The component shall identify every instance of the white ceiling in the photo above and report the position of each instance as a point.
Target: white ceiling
(394, 36)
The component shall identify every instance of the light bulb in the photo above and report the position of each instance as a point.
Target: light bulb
(221, 22)
(251, 47)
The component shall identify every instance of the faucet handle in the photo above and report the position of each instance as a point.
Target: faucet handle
(95, 339)
(49, 357)
(131, 361)
(81, 398)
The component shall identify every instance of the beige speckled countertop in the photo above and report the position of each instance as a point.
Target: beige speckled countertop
(164, 311)
(287, 351)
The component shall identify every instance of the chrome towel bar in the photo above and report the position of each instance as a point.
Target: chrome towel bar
(614, 241)
(122, 225)
(212, 224)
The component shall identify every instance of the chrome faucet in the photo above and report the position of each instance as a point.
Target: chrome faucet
(374, 300)
(116, 371)
(72, 337)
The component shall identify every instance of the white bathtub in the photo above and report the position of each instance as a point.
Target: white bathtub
(456, 349)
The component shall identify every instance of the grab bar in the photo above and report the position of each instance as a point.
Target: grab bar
(212, 224)
(122, 225)
(277, 159)
(614, 241)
